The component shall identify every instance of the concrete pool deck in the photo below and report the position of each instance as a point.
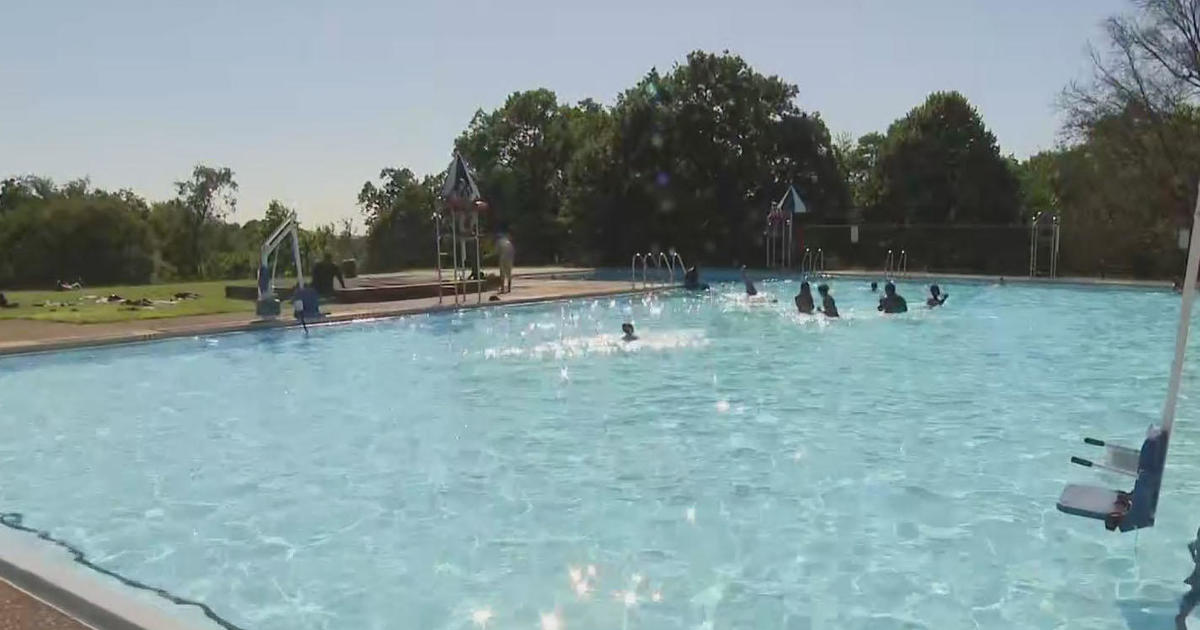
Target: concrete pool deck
(18, 336)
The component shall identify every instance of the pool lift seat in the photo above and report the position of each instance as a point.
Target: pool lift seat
(1128, 511)
(1118, 509)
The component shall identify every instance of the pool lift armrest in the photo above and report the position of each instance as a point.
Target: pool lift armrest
(1118, 509)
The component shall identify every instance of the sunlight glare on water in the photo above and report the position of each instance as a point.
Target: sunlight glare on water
(739, 466)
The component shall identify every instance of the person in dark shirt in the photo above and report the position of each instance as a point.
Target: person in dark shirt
(936, 297)
(892, 302)
(804, 299)
(691, 279)
(323, 274)
(874, 286)
(828, 306)
(750, 290)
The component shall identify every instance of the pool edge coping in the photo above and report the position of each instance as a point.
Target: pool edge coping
(47, 574)
(221, 328)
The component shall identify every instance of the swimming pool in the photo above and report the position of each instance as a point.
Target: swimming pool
(740, 466)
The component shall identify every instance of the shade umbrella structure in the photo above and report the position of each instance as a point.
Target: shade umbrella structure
(791, 203)
(459, 185)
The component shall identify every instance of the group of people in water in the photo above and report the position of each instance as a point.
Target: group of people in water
(891, 301)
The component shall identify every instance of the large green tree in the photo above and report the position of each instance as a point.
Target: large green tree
(206, 198)
(520, 153)
(940, 164)
(397, 212)
(75, 232)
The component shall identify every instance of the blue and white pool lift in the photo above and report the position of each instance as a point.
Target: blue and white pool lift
(1135, 509)
(305, 300)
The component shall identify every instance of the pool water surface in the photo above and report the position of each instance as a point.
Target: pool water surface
(739, 466)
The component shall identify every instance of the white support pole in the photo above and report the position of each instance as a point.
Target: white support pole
(437, 235)
(454, 252)
(478, 262)
(1185, 321)
(296, 255)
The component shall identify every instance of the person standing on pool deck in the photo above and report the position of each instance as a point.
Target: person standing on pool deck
(828, 306)
(936, 297)
(750, 290)
(892, 302)
(1192, 597)
(323, 274)
(804, 299)
(507, 253)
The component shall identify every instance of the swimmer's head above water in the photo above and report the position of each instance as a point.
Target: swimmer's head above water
(874, 286)
(627, 328)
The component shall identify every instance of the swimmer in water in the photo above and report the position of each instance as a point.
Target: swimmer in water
(828, 306)
(627, 328)
(691, 279)
(874, 286)
(750, 290)
(936, 297)
(804, 299)
(892, 302)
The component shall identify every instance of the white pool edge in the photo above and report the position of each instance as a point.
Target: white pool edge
(49, 574)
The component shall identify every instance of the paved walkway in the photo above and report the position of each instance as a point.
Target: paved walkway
(21, 335)
(20, 611)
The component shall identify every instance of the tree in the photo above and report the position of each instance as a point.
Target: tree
(940, 164)
(703, 151)
(859, 162)
(520, 153)
(205, 199)
(49, 233)
(397, 213)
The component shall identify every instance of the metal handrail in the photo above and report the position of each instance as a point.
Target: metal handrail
(820, 264)
(888, 263)
(645, 266)
(681, 267)
(662, 256)
(633, 271)
(902, 265)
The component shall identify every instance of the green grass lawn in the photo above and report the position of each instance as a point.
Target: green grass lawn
(87, 305)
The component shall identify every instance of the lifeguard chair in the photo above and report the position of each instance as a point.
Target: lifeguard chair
(458, 222)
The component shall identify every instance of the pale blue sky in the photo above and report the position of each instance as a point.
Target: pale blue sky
(305, 100)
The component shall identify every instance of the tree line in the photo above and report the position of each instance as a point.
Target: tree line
(693, 158)
(74, 231)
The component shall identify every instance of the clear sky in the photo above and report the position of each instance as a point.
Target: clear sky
(306, 100)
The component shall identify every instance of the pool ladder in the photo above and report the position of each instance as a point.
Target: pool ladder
(813, 262)
(665, 265)
(894, 265)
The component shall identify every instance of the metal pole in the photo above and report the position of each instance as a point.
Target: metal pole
(437, 235)
(1185, 320)
(1054, 260)
(478, 262)
(454, 252)
(1033, 245)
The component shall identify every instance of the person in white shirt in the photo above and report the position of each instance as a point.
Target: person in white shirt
(507, 252)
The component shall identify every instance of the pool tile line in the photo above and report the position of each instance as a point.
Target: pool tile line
(44, 589)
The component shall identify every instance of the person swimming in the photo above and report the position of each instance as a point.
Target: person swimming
(627, 328)
(750, 290)
(691, 279)
(874, 286)
(892, 302)
(936, 297)
(804, 299)
(828, 305)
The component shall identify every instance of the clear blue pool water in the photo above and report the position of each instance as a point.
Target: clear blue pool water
(738, 467)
